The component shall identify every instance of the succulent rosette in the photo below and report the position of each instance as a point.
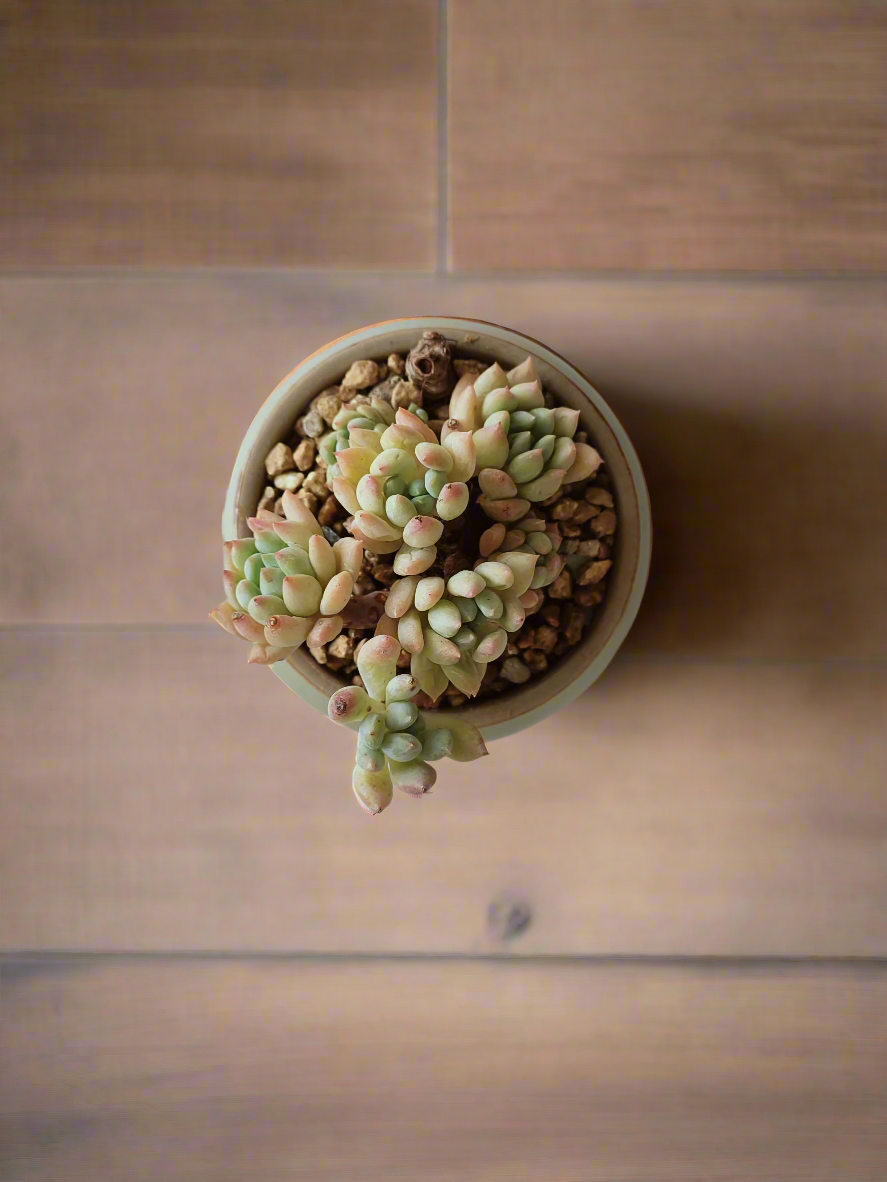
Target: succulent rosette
(286, 585)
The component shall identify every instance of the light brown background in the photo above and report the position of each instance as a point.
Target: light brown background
(212, 966)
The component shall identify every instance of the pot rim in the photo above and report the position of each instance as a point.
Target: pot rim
(451, 324)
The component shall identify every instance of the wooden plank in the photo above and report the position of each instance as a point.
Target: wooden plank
(758, 410)
(432, 1071)
(159, 794)
(668, 134)
(240, 133)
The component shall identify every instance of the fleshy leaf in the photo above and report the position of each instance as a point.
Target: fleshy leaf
(468, 742)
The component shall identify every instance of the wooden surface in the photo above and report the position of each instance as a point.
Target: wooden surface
(219, 134)
(699, 844)
(486, 1072)
(678, 135)
(668, 134)
(679, 807)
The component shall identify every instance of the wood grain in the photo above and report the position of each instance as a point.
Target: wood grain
(758, 410)
(159, 794)
(668, 134)
(217, 1071)
(232, 133)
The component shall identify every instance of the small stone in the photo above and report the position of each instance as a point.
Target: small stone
(357, 680)
(308, 499)
(304, 454)
(278, 507)
(453, 563)
(363, 611)
(315, 482)
(546, 638)
(562, 586)
(313, 425)
(569, 546)
(361, 375)
(319, 654)
(526, 638)
(403, 661)
(396, 364)
(515, 671)
(330, 534)
(553, 499)
(279, 459)
(385, 389)
(330, 511)
(342, 648)
(551, 614)
(580, 437)
(456, 699)
(589, 596)
(593, 572)
(383, 370)
(511, 649)
(575, 624)
(537, 661)
(606, 550)
(328, 404)
(384, 574)
(464, 365)
(571, 531)
(584, 513)
(289, 481)
(599, 496)
(404, 394)
(364, 586)
(605, 524)
(591, 548)
(267, 499)
(561, 647)
(564, 509)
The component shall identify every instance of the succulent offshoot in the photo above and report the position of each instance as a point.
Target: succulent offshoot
(397, 742)
(286, 584)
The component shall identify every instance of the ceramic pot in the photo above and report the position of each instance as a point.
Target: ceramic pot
(577, 669)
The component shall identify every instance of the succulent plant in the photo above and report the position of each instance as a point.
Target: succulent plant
(525, 449)
(396, 742)
(454, 628)
(402, 483)
(529, 535)
(286, 584)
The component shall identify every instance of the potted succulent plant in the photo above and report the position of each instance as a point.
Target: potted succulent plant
(437, 532)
